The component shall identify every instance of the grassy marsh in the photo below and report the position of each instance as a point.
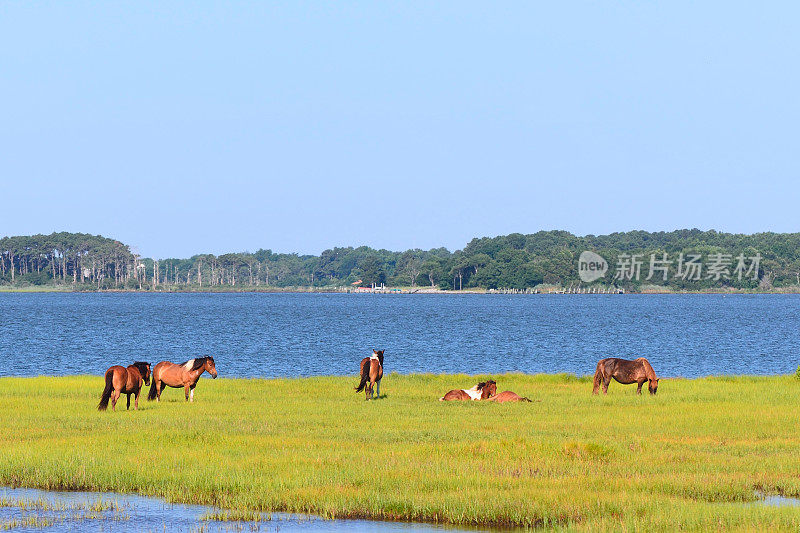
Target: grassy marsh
(692, 457)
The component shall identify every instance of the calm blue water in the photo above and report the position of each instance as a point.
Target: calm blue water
(310, 334)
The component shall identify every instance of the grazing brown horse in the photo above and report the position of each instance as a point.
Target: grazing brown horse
(121, 380)
(186, 375)
(482, 391)
(508, 396)
(371, 373)
(625, 372)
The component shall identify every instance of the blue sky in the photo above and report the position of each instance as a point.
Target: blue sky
(188, 128)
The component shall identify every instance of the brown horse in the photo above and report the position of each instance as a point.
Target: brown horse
(186, 375)
(508, 396)
(482, 391)
(625, 372)
(371, 373)
(121, 380)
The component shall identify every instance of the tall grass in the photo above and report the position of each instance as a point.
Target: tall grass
(691, 457)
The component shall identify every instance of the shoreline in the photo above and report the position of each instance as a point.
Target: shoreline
(390, 291)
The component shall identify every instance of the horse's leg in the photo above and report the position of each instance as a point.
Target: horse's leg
(159, 383)
(191, 392)
(135, 401)
(378, 385)
(606, 382)
(114, 398)
(186, 392)
(639, 388)
(129, 401)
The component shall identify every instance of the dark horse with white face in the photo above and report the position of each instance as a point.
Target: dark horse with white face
(371, 373)
(186, 375)
(626, 372)
(121, 380)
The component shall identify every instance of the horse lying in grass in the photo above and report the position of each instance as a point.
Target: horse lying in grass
(371, 374)
(481, 391)
(186, 375)
(508, 396)
(626, 372)
(121, 380)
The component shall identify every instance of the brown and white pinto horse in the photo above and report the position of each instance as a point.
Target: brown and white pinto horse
(121, 380)
(481, 391)
(371, 373)
(626, 372)
(186, 375)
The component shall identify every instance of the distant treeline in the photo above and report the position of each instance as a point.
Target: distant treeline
(513, 261)
(61, 258)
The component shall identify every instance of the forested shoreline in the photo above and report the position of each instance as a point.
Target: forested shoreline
(78, 261)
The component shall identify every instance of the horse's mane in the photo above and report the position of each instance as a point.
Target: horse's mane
(198, 362)
(648, 369)
(483, 384)
(141, 365)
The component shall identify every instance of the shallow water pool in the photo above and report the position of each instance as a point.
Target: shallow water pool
(40, 510)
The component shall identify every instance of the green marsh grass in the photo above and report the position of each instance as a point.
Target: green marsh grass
(41, 504)
(41, 513)
(235, 516)
(691, 457)
(26, 522)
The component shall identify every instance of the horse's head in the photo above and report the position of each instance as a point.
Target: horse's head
(210, 367)
(488, 389)
(379, 355)
(653, 386)
(144, 370)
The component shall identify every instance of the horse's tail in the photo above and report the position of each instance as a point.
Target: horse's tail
(364, 377)
(152, 394)
(524, 399)
(598, 377)
(103, 405)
